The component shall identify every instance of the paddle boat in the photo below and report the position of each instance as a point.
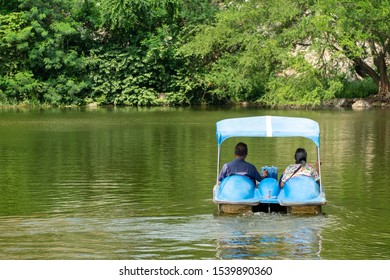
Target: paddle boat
(237, 193)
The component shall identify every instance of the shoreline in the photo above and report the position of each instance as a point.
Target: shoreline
(358, 103)
(336, 103)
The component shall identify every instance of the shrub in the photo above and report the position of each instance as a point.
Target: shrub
(358, 88)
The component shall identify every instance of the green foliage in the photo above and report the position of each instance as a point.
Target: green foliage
(8, 6)
(119, 78)
(300, 84)
(21, 87)
(65, 90)
(132, 76)
(300, 90)
(109, 52)
(143, 68)
(358, 88)
(245, 47)
(126, 21)
(359, 32)
(40, 54)
(14, 40)
(247, 52)
(176, 52)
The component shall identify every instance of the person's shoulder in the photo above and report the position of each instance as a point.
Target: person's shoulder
(309, 165)
(251, 164)
(230, 162)
(292, 165)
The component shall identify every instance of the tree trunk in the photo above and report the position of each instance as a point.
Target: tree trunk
(384, 83)
(365, 69)
(384, 89)
(379, 55)
(381, 79)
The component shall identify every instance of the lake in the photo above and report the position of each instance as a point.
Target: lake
(136, 183)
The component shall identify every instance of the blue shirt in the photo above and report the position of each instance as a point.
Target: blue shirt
(241, 167)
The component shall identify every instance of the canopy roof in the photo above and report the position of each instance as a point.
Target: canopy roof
(268, 126)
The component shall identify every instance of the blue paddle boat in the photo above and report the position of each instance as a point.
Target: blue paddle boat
(300, 194)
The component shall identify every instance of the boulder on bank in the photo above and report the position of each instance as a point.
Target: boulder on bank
(361, 104)
(339, 102)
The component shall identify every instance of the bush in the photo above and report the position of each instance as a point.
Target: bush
(358, 89)
(300, 89)
(21, 87)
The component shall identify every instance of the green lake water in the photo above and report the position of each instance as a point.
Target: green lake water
(128, 183)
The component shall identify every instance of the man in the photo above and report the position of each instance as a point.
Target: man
(240, 166)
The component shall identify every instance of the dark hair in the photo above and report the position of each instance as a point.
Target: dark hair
(300, 156)
(241, 149)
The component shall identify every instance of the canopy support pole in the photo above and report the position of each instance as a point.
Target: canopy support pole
(319, 169)
(218, 162)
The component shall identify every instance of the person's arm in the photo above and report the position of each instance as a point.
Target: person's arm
(264, 174)
(316, 175)
(260, 176)
(282, 179)
(223, 173)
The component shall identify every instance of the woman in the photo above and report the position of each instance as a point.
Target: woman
(300, 168)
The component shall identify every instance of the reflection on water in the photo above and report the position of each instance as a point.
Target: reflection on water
(127, 183)
(201, 237)
(270, 236)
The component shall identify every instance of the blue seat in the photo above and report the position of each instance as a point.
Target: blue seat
(301, 190)
(237, 189)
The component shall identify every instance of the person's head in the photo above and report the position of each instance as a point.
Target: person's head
(241, 150)
(300, 155)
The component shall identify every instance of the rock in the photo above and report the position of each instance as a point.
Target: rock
(338, 102)
(361, 104)
(342, 103)
(92, 105)
(245, 104)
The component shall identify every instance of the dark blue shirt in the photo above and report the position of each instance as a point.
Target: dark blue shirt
(241, 167)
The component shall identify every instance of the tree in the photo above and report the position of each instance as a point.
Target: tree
(7, 6)
(103, 51)
(40, 54)
(137, 62)
(127, 21)
(359, 31)
(293, 52)
(249, 54)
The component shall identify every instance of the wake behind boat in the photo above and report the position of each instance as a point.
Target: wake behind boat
(236, 193)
